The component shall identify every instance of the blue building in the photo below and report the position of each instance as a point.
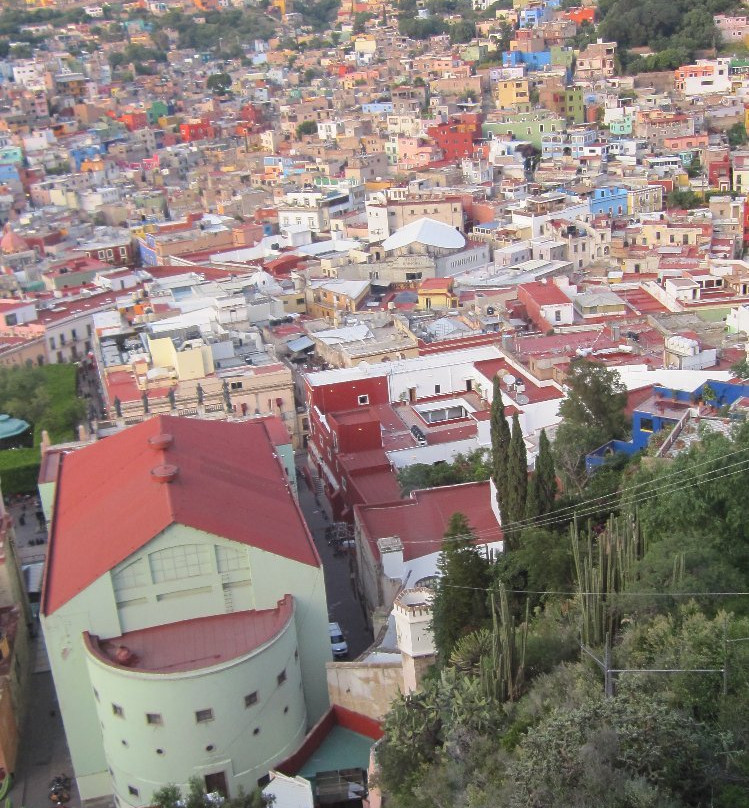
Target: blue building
(9, 173)
(80, 153)
(611, 201)
(533, 61)
(664, 410)
(530, 17)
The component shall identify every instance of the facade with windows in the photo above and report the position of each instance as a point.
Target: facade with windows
(184, 610)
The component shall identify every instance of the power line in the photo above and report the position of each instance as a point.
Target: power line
(573, 592)
(587, 508)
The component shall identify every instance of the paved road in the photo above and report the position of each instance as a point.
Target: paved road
(43, 752)
(30, 529)
(343, 607)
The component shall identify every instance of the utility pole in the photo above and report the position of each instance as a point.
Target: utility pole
(609, 672)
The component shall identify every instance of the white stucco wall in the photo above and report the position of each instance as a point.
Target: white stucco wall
(241, 741)
(109, 607)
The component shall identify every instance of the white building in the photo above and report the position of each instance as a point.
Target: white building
(183, 610)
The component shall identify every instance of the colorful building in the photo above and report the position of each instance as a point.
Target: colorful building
(183, 609)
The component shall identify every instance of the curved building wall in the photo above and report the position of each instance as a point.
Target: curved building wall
(156, 728)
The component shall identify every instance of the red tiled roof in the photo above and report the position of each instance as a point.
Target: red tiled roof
(109, 503)
(190, 645)
(545, 294)
(642, 301)
(438, 284)
(421, 520)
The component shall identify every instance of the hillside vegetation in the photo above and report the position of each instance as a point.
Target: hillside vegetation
(673, 29)
(603, 660)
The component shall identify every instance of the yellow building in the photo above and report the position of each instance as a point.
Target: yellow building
(512, 92)
(644, 200)
(437, 293)
(188, 363)
(330, 298)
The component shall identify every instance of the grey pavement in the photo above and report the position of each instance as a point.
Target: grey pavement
(343, 606)
(30, 532)
(43, 752)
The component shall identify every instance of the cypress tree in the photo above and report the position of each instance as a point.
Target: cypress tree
(517, 480)
(533, 504)
(459, 604)
(500, 433)
(546, 475)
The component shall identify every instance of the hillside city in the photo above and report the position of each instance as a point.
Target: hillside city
(374, 381)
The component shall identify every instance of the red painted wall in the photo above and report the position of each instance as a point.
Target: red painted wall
(359, 437)
(345, 395)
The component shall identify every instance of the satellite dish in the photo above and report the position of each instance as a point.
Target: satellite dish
(508, 379)
(522, 400)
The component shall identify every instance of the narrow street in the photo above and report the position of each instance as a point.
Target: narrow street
(43, 752)
(343, 607)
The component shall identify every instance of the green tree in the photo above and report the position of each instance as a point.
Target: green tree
(627, 751)
(462, 32)
(219, 83)
(736, 135)
(592, 414)
(546, 474)
(500, 435)
(533, 499)
(694, 169)
(517, 483)
(361, 19)
(306, 128)
(741, 368)
(168, 796)
(683, 200)
(459, 604)
(472, 467)
(596, 397)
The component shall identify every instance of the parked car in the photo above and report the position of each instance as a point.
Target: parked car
(338, 644)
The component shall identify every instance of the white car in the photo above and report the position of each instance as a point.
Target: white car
(338, 644)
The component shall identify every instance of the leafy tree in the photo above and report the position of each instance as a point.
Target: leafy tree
(459, 604)
(426, 731)
(627, 751)
(707, 501)
(592, 414)
(168, 796)
(517, 482)
(33, 395)
(661, 24)
(736, 135)
(361, 18)
(741, 369)
(418, 28)
(596, 397)
(306, 128)
(541, 562)
(472, 467)
(683, 200)
(546, 474)
(462, 32)
(219, 83)
(171, 796)
(694, 169)
(500, 435)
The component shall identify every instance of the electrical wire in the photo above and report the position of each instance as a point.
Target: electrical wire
(587, 508)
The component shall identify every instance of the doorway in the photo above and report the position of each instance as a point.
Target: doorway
(216, 783)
